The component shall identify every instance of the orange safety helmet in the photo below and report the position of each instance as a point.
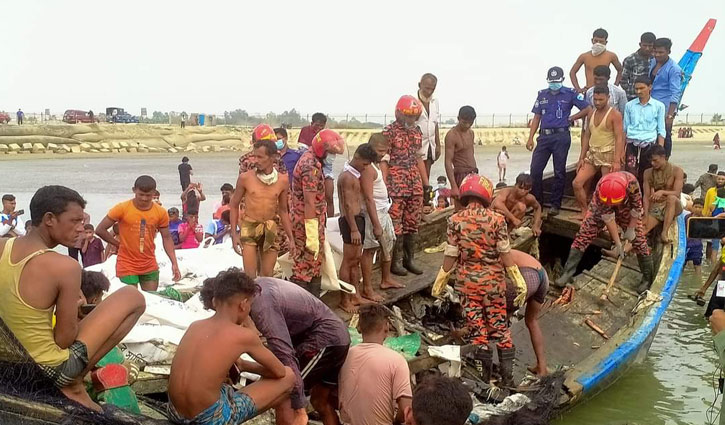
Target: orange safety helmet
(327, 141)
(263, 132)
(478, 186)
(612, 188)
(409, 105)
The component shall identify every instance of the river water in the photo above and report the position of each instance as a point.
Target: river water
(673, 386)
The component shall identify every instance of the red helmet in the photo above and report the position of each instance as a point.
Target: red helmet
(408, 105)
(327, 141)
(263, 132)
(613, 188)
(478, 186)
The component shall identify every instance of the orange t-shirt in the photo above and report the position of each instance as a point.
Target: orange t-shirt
(137, 230)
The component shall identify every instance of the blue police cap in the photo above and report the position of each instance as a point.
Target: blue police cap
(555, 75)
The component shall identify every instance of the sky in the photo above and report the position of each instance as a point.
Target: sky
(336, 57)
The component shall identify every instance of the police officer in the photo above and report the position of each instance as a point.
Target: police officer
(551, 110)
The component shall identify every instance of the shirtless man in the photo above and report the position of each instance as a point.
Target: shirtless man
(661, 192)
(459, 159)
(513, 202)
(198, 388)
(598, 55)
(602, 145)
(35, 281)
(352, 225)
(264, 192)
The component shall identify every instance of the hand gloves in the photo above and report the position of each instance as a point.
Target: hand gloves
(515, 275)
(619, 249)
(440, 283)
(312, 234)
(629, 234)
(427, 195)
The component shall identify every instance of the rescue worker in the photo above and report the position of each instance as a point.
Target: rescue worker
(478, 247)
(407, 182)
(551, 111)
(309, 209)
(617, 200)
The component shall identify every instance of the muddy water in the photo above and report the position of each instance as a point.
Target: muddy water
(673, 386)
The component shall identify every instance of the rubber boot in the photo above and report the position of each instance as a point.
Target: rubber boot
(506, 366)
(483, 360)
(646, 267)
(396, 267)
(409, 254)
(314, 287)
(575, 256)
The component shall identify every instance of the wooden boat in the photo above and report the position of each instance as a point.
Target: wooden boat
(589, 362)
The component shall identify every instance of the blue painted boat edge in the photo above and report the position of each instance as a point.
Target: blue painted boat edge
(622, 354)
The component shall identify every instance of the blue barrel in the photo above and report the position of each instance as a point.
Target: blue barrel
(202, 117)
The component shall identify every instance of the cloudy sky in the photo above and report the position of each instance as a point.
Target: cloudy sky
(334, 56)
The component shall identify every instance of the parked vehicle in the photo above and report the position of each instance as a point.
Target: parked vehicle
(4, 118)
(118, 115)
(76, 116)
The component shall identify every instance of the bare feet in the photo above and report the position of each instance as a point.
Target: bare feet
(358, 300)
(581, 216)
(391, 284)
(372, 296)
(536, 370)
(348, 306)
(77, 392)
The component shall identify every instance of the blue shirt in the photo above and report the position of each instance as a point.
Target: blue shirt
(214, 227)
(644, 122)
(174, 230)
(555, 108)
(290, 159)
(667, 84)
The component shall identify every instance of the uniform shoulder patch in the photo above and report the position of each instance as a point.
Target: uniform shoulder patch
(580, 96)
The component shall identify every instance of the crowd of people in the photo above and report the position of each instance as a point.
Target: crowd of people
(281, 203)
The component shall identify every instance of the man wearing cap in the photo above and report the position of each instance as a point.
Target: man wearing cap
(309, 209)
(551, 111)
(617, 201)
(430, 150)
(407, 182)
(307, 133)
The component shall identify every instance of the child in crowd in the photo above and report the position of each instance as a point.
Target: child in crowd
(442, 203)
(219, 228)
(694, 246)
(686, 196)
(157, 197)
(442, 191)
(192, 197)
(139, 220)
(227, 189)
(174, 222)
(211, 348)
(223, 207)
(28, 226)
(191, 232)
(502, 161)
(92, 251)
(93, 285)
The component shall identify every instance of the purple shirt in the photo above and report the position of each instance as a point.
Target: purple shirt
(295, 322)
(307, 133)
(93, 254)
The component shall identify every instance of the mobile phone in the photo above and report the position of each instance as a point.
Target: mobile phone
(20, 212)
(705, 228)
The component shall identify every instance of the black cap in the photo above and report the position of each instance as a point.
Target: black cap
(555, 75)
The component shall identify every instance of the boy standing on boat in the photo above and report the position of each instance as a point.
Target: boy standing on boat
(309, 209)
(617, 201)
(479, 249)
(407, 182)
(264, 191)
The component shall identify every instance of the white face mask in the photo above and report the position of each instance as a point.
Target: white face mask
(268, 179)
(598, 49)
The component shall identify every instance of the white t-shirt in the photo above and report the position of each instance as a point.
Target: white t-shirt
(502, 158)
(427, 123)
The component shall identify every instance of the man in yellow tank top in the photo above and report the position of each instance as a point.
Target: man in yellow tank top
(602, 145)
(36, 281)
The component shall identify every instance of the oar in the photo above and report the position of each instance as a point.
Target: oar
(603, 298)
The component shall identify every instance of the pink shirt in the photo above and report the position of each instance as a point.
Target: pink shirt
(372, 379)
(190, 241)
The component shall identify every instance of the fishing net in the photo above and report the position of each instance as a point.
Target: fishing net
(33, 395)
(542, 407)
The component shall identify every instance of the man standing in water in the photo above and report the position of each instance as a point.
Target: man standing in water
(637, 64)
(407, 182)
(430, 150)
(309, 209)
(264, 191)
(551, 110)
(352, 225)
(460, 159)
(598, 55)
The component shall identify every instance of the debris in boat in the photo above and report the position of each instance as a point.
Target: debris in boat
(419, 305)
(596, 328)
(567, 296)
(452, 353)
(400, 323)
(434, 249)
(577, 344)
(605, 296)
(596, 347)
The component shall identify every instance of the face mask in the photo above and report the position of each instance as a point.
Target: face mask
(441, 185)
(598, 49)
(280, 144)
(330, 159)
(555, 86)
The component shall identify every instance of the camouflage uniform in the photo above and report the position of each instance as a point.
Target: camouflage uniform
(480, 235)
(248, 162)
(307, 177)
(599, 212)
(404, 182)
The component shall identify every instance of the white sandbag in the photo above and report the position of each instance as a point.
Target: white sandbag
(152, 330)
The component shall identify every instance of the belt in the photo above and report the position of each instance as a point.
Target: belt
(550, 131)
